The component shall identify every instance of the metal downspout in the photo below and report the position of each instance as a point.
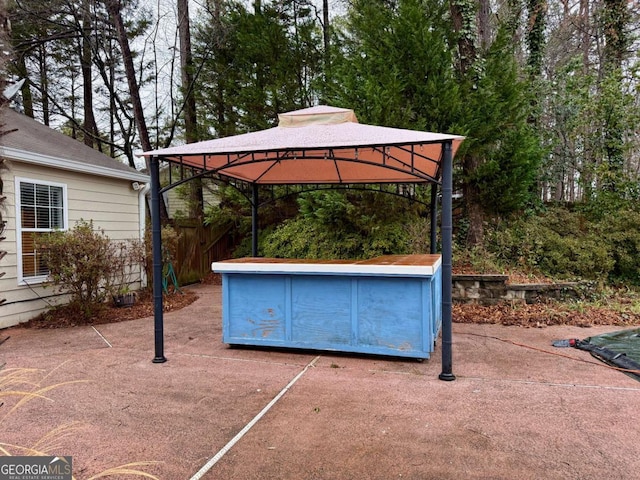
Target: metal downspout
(142, 213)
(447, 239)
(156, 241)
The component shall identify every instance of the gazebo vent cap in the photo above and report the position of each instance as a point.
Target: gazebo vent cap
(320, 115)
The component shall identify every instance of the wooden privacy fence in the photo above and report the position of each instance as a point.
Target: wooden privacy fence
(198, 247)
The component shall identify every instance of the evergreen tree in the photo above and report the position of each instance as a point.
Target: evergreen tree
(66, 50)
(399, 70)
(395, 68)
(256, 63)
(495, 120)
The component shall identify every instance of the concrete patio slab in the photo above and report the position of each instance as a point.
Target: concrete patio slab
(518, 409)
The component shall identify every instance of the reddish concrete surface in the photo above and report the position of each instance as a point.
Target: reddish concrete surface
(513, 412)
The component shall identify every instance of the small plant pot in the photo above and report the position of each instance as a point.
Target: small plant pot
(124, 300)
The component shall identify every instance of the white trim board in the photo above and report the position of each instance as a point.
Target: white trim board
(75, 166)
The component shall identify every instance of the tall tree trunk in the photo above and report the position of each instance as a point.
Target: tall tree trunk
(463, 16)
(587, 161)
(585, 29)
(616, 17)
(325, 37)
(44, 83)
(27, 96)
(472, 202)
(90, 128)
(535, 35)
(186, 69)
(484, 23)
(112, 102)
(196, 203)
(113, 7)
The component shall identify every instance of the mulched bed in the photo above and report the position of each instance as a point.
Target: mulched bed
(541, 315)
(537, 315)
(67, 316)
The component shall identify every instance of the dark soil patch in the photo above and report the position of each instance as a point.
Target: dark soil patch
(68, 316)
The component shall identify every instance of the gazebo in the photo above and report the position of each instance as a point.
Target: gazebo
(320, 145)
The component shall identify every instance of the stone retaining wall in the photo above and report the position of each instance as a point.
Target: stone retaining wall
(492, 289)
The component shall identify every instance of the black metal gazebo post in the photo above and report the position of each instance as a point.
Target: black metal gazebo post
(447, 240)
(254, 219)
(156, 239)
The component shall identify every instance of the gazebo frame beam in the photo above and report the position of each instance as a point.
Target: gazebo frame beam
(446, 237)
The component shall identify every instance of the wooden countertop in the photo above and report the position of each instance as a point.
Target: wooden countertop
(394, 265)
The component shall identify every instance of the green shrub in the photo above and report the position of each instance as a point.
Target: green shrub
(347, 225)
(88, 266)
(622, 234)
(170, 238)
(565, 243)
(302, 238)
(80, 262)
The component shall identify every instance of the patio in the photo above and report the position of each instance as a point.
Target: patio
(513, 412)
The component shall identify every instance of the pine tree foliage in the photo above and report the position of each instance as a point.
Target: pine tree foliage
(395, 67)
(255, 65)
(67, 51)
(495, 119)
(545, 92)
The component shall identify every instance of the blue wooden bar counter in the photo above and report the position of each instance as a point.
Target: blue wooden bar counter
(389, 305)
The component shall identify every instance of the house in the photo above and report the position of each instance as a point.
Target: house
(177, 199)
(51, 183)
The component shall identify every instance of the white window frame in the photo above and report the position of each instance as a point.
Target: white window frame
(65, 220)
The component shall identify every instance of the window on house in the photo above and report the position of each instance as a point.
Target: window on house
(41, 208)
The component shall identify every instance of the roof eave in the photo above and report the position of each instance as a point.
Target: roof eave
(71, 165)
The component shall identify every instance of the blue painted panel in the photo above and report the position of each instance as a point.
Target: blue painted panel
(427, 317)
(256, 308)
(321, 310)
(384, 315)
(390, 313)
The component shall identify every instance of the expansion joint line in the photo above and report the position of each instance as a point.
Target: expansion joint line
(102, 336)
(207, 466)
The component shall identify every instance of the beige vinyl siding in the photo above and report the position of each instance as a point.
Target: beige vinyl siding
(111, 203)
(175, 198)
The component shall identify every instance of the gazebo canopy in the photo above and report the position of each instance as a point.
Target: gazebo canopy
(320, 145)
(317, 145)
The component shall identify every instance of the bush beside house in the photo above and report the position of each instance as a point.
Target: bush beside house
(52, 182)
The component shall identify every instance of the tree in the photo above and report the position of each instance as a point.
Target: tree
(90, 128)
(615, 18)
(4, 54)
(256, 63)
(114, 8)
(501, 154)
(537, 10)
(196, 202)
(502, 141)
(589, 109)
(395, 66)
